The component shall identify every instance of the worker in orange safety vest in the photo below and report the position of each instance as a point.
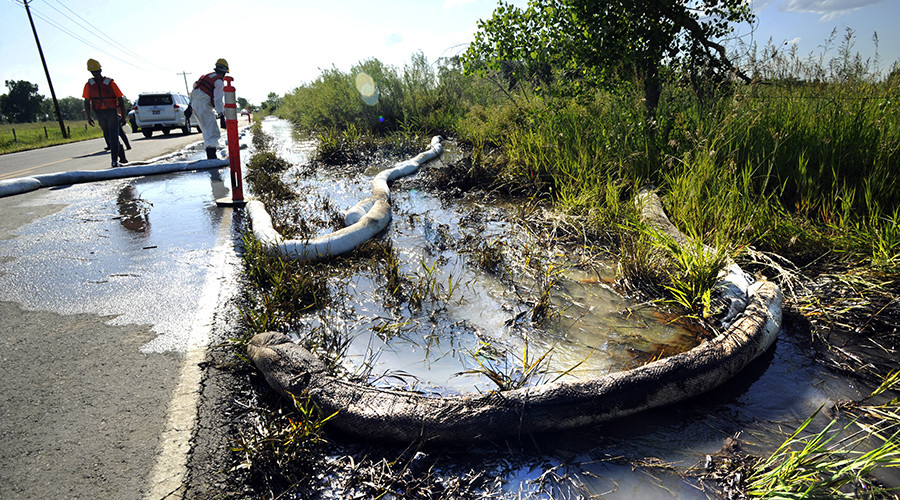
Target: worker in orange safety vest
(103, 97)
(207, 105)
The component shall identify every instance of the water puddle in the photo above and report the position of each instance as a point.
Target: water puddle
(588, 327)
(137, 250)
(456, 317)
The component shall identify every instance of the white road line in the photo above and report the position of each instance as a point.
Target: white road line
(167, 478)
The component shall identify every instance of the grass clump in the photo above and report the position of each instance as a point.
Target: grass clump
(837, 461)
(842, 457)
(283, 289)
(280, 449)
(510, 372)
(264, 176)
(417, 290)
(424, 286)
(693, 275)
(489, 254)
(507, 374)
(261, 141)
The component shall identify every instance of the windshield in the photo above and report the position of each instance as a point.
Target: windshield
(154, 99)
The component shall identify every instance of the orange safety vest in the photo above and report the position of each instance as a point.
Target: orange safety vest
(207, 83)
(102, 94)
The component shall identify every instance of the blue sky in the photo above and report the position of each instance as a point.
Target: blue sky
(276, 45)
(809, 23)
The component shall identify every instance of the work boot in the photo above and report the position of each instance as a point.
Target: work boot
(211, 153)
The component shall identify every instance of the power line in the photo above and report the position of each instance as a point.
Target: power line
(141, 64)
(98, 32)
(64, 30)
(80, 39)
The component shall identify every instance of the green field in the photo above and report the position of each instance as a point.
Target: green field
(23, 136)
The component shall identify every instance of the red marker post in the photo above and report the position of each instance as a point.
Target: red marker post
(234, 148)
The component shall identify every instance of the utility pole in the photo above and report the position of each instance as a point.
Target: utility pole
(62, 126)
(185, 74)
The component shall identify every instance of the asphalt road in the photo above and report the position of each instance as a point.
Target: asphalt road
(89, 155)
(109, 295)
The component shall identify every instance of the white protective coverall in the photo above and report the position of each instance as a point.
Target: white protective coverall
(206, 110)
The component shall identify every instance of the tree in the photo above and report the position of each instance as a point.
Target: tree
(22, 104)
(272, 102)
(577, 45)
(47, 110)
(72, 108)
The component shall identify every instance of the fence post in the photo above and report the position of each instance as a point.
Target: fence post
(234, 148)
(45, 133)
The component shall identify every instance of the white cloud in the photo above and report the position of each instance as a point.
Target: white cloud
(393, 39)
(795, 41)
(829, 9)
(449, 4)
(759, 5)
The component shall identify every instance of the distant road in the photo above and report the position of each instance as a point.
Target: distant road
(88, 155)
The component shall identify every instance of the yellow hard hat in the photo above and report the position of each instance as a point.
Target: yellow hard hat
(93, 65)
(222, 65)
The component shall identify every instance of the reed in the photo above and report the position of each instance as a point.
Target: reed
(509, 373)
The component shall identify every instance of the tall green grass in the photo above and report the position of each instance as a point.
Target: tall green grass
(826, 464)
(422, 98)
(283, 288)
(800, 163)
(791, 168)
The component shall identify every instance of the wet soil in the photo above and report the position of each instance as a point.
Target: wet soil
(691, 450)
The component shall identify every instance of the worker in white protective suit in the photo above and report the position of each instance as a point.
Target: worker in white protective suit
(207, 106)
